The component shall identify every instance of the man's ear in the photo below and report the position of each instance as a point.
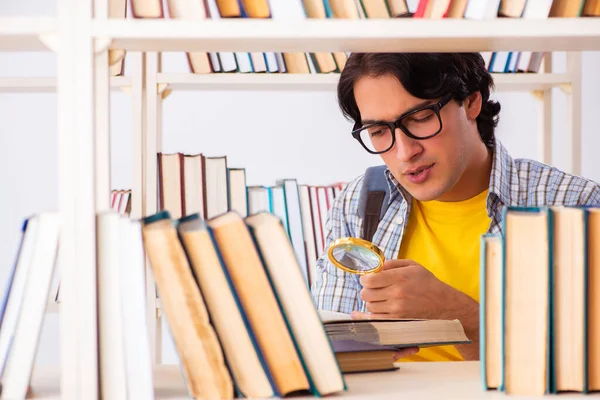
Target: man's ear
(472, 105)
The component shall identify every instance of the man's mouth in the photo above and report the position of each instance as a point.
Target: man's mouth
(418, 170)
(419, 175)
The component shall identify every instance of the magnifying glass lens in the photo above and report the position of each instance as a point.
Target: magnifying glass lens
(356, 256)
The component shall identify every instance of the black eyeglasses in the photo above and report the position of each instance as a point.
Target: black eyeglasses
(420, 124)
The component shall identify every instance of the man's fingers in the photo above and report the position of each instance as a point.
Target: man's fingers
(377, 280)
(393, 264)
(409, 351)
(359, 315)
(380, 294)
(379, 307)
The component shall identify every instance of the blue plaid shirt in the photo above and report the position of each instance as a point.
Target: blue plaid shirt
(513, 182)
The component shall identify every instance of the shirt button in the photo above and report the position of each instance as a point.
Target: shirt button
(399, 220)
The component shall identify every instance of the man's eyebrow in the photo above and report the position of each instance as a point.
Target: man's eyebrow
(417, 106)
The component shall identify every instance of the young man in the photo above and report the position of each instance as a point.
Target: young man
(430, 119)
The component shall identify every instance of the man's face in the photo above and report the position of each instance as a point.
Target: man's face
(427, 169)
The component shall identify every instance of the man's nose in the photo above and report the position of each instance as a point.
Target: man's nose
(406, 148)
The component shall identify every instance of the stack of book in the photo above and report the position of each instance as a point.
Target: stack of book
(540, 304)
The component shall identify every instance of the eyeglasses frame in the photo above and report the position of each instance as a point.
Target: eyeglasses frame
(436, 108)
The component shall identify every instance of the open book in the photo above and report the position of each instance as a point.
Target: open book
(368, 345)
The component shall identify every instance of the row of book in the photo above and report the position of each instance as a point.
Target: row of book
(195, 183)
(540, 302)
(242, 320)
(325, 62)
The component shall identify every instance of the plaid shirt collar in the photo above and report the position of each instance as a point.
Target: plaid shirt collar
(503, 187)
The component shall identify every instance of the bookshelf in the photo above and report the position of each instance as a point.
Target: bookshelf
(26, 33)
(47, 84)
(81, 36)
(558, 34)
(411, 381)
(328, 82)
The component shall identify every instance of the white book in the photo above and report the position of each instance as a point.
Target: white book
(193, 184)
(111, 254)
(258, 199)
(295, 224)
(314, 203)
(19, 366)
(243, 62)
(309, 232)
(482, 9)
(17, 290)
(138, 361)
(272, 64)
(215, 179)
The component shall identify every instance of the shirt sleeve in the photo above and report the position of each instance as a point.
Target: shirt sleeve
(334, 289)
(593, 199)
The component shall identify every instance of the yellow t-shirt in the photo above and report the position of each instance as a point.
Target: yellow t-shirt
(444, 237)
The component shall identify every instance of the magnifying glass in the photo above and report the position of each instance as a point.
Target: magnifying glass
(356, 256)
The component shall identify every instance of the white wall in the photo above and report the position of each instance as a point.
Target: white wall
(272, 134)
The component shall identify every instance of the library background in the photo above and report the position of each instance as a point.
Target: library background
(169, 167)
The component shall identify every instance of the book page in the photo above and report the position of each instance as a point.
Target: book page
(327, 316)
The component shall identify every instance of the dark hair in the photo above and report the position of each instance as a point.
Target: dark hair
(426, 76)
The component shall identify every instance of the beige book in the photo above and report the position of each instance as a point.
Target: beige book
(345, 9)
(195, 340)
(569, 298)
(457, 9)
(591, 8)
(566, 8)
(171, 183)
(593, 354)
(492, 285)
(296, 63)
(256, 296)
(526, 302)
(147, 8)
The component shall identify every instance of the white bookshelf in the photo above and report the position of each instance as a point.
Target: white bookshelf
(529, 82)
(557, 34)
(83, 86)
(47, 84)
(26, 33)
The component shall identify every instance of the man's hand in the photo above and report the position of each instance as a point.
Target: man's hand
(405, 289)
